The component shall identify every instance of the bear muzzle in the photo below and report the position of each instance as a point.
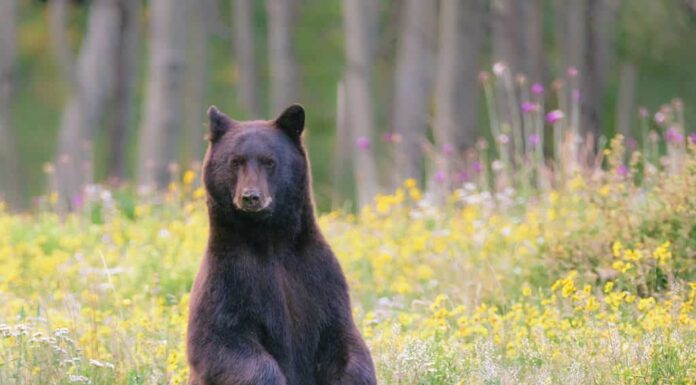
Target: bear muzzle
(252, 200)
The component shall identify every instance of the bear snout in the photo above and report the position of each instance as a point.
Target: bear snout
(252, 200)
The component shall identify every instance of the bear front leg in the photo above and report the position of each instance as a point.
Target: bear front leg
(244, 365)
(344, 359)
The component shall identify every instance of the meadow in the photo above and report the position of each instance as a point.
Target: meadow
(590, 282)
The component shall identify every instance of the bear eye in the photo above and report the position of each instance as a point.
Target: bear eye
(267, 162)
(237, 162)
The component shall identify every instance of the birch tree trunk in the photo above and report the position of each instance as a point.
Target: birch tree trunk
(359, 112)
(281, 56)
(412, 85)
(456, 88)
(130, 27)
(164, 96)
(245, 55)
(196, 81)
(94, 80)
(10, 189)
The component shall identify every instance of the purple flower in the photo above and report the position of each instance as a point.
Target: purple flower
(692, 137)
(447, 149)
(363, 143)
(477, 167)
(622, 170)
(631, 144)
(463, 176)
(572, 72)
(537, 89)
(440, 177)
(673, 135)
(534, 140)
(528, 107)
(575, 94)
(643, 112)
(77, 201)
(554, 116)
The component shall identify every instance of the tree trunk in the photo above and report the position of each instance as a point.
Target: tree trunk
(624, 105)
(245, 55)
(10, 189)
(126, 81)
(197, 80)
(281, 56)
(533, 41)
(412, 85)
(456, 88)
(164, 96)
(94, 80)
(599, 19)
(359, 108)
(506, 38)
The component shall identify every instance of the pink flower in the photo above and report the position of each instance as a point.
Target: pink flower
(463, 176)
(622, 170)
(528, 107)
(363, 143)
(391, 137)
(440, 177)
(484, 76)
(575, 94)
(499, 68)
(692, 137)
(447, 149)
(537, 89)
(554, 116)
(643, 112)
(572, 72)
(674, 136)
(534, 140)
(477, 167)
(660, 117)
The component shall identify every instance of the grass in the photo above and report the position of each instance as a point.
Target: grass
(591, 282)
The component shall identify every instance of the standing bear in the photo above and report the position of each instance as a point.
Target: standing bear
(270, 304)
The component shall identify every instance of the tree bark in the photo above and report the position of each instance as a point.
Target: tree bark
(506, 38)
(130, 27)
(245, 55)
(196, 79)
(94, 80)
(412, 85)
(281, 55)
(456, 88)
(164, 96)
(625, 102)
(10, 188)
(533, 40)
(359, 108)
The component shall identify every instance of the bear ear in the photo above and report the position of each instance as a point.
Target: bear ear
(219, 124)
(291, 121)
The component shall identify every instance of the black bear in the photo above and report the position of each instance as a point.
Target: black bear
(270, 304)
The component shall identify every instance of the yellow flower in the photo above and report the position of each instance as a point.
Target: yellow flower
(189, 177)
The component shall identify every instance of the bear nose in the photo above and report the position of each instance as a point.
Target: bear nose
(251, 199)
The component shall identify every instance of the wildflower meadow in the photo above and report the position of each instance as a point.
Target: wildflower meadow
(592, 281)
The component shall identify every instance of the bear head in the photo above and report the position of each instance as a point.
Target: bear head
(256, 172)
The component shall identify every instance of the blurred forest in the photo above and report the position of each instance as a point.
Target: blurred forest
(116, 90)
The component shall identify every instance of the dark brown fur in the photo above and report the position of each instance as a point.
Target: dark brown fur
(270, 303)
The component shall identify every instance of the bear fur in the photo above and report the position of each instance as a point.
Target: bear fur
(270, 304)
